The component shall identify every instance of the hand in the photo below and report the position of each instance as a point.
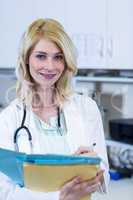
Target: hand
(82, 150)
(87, 151)
(77, 188)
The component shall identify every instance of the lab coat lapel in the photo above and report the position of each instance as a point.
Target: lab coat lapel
(75, 127)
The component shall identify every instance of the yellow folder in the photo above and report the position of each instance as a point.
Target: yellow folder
(46, 178)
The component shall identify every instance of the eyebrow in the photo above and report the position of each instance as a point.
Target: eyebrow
(45, 53)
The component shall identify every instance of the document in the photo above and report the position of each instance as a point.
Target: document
(47, 172)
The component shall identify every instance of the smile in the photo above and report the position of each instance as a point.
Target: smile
(48, 76)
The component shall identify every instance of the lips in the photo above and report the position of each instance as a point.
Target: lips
(48, 76)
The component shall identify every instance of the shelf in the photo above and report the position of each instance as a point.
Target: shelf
(7, 71)
(119, 144)
(103, 79)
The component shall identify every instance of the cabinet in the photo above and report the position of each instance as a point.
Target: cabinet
(85, 23)
(50, 9)
(15, 16)
(102, 31)
(119, 34)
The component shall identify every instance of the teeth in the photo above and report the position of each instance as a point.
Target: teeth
(49, 76)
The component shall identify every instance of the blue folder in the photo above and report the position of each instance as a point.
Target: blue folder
(11, 162)
(56, 159)
(11, 166)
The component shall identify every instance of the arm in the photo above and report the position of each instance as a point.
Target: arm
(77, 188)
(96, 135)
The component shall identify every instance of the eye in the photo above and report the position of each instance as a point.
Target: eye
(41, 56)
(59, 58)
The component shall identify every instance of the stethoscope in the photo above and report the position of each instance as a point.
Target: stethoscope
(22, 126)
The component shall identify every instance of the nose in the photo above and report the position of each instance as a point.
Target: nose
(49, 64)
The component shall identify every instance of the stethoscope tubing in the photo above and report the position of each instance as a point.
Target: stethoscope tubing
(22, 126)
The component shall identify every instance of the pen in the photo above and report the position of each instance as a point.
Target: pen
(91, 147)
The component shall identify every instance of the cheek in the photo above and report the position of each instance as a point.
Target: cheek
(34, 64)
(33, 68)
(61, 67)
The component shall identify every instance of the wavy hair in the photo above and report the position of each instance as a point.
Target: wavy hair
(52, 30)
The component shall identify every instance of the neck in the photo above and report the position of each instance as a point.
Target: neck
(44, 97)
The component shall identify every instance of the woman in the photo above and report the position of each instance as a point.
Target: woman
(59, 120)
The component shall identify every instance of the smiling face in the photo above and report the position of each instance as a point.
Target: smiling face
(46, 63)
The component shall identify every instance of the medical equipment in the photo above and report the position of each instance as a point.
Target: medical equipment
(22, 126)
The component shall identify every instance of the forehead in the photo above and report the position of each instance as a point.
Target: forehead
(44, 45)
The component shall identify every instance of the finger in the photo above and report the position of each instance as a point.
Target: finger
(82, 189)
(96, 179)
(101, 171)
(83, 150)
(70, 189)
(93, 188)
(67, 186)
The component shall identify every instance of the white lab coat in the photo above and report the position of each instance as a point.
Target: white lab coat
(84, 127)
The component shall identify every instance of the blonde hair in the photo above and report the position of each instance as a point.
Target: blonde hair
(52, 30)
